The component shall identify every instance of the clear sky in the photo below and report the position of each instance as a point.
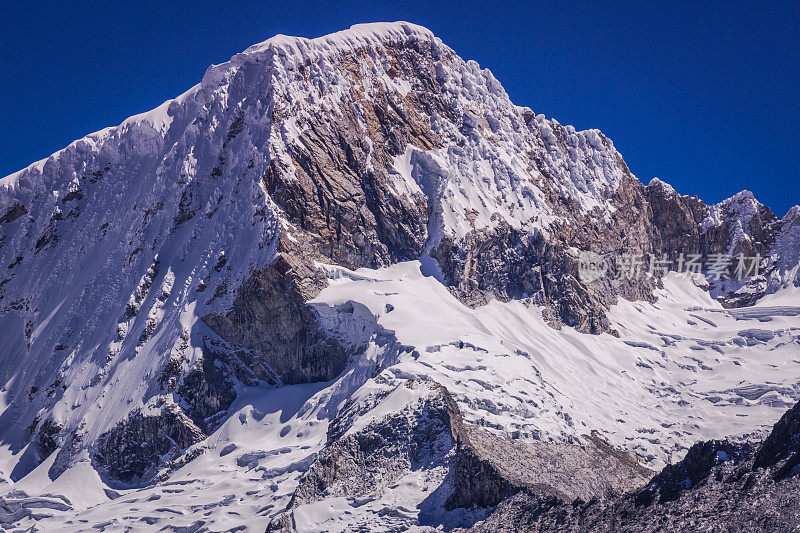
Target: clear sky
(704, 97)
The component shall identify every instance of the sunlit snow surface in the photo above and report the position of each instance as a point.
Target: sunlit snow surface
(683, 369)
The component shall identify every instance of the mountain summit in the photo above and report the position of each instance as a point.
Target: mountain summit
(353, 258)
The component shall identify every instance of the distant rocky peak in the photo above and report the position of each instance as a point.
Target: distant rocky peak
(663, 187)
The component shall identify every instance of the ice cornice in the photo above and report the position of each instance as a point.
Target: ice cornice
(357, 36)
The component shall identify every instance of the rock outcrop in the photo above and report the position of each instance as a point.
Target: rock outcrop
(417, 427)
(133, 451)
(281, 335)
(362, 461)
(718, 486)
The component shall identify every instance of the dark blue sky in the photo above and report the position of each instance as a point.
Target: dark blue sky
(706, 98)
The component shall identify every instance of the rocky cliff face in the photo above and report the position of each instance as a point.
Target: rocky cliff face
(416, 430)
(281, 336)
(134, 450)
(718, 486)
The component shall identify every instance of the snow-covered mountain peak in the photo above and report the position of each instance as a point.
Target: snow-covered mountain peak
(356, 37)
(341, 216)
(303, 77)
(742, 204)
(740, 209)
(292, 53)
(793, 213)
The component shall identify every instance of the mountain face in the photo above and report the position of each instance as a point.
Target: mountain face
(344, 273)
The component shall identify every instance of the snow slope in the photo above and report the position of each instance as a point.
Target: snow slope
(683, 369)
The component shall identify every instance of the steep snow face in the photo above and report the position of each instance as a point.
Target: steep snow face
(501, 162)
(112, 248)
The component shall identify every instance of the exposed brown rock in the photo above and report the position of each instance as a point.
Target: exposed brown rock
(484, 468)
(719, 486)
(132, 451)
(280, 334)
